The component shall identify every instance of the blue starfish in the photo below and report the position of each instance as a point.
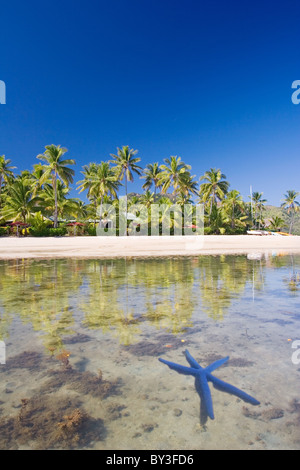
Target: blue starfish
(203, 376)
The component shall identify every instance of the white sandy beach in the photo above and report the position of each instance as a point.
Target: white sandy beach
(111, 247)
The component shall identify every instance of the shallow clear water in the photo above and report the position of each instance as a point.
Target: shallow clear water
(83, 338)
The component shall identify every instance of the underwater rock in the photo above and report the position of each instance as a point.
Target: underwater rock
(273, 413)
(149, 427)
(266, 415)
(77, 338)
(148, 348)
(250, 413)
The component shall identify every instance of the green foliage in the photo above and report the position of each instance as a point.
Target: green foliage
(39, 232)
(3, 231)
(33, 196)
(38, 222)
(91, 230)
(58, 232)
(48, 232)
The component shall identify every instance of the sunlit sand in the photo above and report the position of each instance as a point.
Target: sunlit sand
(111, 247)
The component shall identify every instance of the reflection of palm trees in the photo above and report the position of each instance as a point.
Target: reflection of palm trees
(104, 307)
(120, 296)
(222, 279)
(40, 294)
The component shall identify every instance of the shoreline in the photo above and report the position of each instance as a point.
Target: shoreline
(121, 247)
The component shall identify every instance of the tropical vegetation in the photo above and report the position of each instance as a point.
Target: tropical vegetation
(39, 201)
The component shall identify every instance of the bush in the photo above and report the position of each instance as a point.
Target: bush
(3, 231)
(58, 232)
(39, 232)
(207, 231)
(236, 230)
(92, 231)
(48, 232)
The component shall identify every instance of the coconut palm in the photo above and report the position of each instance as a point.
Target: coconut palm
(276, 223)
(215, 188)
(187, 185)
(102, 182)
(36, 177)
(126, 164)
(291, 205)
(58, 169)
(183, 198)
(147, 199)
(20, 204)
(6, 172)
(258, 206)
(234, 208)
(152, 174)
(172, 174)
(86, 184)
(65, 207)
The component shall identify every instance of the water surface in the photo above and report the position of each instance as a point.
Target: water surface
(83, 338)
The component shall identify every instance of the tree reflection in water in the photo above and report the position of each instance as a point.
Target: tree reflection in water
(118, 296)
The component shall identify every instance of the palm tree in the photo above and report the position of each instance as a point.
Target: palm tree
(103, 181)
(187, 185)
(147, 199)
(234, 207)
(20, 203)
(291, 205)
(214, 189)
(152, 174)
(276, 223)
(172, 174)
(36, 177)
(6, 172)
(58, 168)
(65, 207)
(88, 172)
(126, 164)
(258, 204)
(183, 198)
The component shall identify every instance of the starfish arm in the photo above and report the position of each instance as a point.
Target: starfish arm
(192, 362)
(203, 390)
(216, 364)
(226, 387)
(179, 368)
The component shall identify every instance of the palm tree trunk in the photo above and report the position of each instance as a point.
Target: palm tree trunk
(55, 199)
(95, 202)
(126, 204)
(100, 215)
(232, 218)
(0, 189)
(292, 221)
(211, 204)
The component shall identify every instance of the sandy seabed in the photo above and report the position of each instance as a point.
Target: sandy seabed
(141, 246)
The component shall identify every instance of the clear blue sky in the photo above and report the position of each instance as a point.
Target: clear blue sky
(209, 81)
